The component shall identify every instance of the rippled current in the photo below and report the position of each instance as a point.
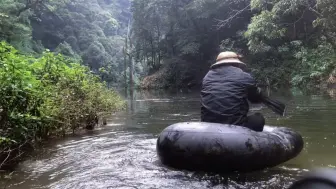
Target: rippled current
(122, 154)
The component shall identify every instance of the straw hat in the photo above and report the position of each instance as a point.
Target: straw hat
(227, 57)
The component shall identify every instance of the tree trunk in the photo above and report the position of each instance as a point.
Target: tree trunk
(131, 68)
(125, 63)
(126, 53)
(130, 58)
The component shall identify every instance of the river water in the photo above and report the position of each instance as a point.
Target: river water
(122, 154)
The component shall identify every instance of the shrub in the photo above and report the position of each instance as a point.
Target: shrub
(46, 96)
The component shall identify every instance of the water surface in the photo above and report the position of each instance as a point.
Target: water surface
(122, 154)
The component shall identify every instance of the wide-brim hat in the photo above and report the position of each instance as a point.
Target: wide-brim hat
(228, 58)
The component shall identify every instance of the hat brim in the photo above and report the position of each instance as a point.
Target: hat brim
(228, 61)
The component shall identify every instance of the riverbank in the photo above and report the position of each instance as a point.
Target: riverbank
(165, 79)
(44, 98)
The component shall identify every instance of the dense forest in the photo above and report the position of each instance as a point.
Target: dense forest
(59, 59)
(56, 59)
(170, 43)
(90, 31)
(286, 43)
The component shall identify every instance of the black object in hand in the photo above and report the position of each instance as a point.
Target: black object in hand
(275, 105)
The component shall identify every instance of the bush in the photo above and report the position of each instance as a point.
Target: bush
(315, 64)
(44, 97)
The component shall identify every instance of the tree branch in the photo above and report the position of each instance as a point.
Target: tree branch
(9, 152)
(223, 23)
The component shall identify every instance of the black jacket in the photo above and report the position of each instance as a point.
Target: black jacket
(225, 94)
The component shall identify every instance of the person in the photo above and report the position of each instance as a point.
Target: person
(226, 90)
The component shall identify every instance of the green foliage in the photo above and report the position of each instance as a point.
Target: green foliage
(315, 65)
(285, 42)
(44, 97)
(296, 34)
(279, 36)
(91, 30)
(15, 28)
(186, 31)
(263, 24)
(82, 29)
(66, 50)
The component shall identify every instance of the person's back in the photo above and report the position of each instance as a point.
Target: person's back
(226, 90)
(224, 94)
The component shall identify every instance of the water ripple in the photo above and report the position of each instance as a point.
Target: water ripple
(122, 155)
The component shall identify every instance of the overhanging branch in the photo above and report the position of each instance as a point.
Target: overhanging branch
(223, 23)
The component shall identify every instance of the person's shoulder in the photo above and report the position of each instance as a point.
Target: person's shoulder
(208, 76)
(247, 78)
(247, 75)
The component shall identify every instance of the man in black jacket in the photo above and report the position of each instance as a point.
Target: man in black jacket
(226, 90)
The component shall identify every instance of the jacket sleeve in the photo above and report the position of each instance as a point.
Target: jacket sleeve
(254, 93)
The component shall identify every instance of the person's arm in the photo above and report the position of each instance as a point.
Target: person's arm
(254, 93)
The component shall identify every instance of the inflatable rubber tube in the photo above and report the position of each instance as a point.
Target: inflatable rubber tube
(214, 147)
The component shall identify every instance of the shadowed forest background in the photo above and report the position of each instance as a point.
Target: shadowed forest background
(172, 43)
(60, 58)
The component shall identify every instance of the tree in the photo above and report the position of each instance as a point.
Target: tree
(295, 34)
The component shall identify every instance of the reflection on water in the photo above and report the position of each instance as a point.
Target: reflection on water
(122, 154)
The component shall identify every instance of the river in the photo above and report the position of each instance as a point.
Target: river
(121, 155)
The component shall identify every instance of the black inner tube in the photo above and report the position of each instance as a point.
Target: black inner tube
(226, 148)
